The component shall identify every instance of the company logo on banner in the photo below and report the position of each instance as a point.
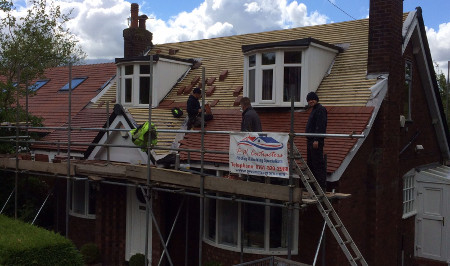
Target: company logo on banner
(259, 154)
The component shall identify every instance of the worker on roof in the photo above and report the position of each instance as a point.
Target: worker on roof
(139, 135)
(317, 123)
(250, 119)
(194, 110)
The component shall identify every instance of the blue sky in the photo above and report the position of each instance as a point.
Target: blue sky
(435, 12)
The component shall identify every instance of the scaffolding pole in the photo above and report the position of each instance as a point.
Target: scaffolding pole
(291, 180)
(149, 185)
(68, 152)
(149, 190)
(202, 176)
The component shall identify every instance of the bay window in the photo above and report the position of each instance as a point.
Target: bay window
(260, 229)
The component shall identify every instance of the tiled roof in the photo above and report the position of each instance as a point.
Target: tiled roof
(53, 105)
(345, 86)
(87, 118)
(341, 120)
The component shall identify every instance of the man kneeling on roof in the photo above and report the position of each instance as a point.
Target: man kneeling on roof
(194, 110)
(140, 135)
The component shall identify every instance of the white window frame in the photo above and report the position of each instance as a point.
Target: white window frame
(135, 84)
(278, 76)
(86, 213)
(409, 196)
(257, 250)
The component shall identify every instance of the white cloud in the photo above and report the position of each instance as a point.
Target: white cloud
(98, 24)
(439, 42)
(233, 17)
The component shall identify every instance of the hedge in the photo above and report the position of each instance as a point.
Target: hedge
(25, 244)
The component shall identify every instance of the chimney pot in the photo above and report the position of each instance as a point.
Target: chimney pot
(142, 20)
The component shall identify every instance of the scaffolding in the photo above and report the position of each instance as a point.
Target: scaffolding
(149, 179)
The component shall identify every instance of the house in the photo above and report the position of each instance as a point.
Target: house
(375, 77)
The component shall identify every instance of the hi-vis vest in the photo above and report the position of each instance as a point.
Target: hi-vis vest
(139, 135)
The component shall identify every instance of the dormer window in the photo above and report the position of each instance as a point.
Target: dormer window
(273, 72)
(134, 79)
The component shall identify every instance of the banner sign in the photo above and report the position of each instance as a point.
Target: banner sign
(259, 154)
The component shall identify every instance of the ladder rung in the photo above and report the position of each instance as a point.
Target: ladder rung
(348, 242)
(327, 211)
(357, 258)
(337, 225)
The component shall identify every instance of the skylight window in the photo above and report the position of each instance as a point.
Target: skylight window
(107, 82)
(75, 83)
(36, 86)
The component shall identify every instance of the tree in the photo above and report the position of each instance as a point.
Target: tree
(443, 89)
(29, 45)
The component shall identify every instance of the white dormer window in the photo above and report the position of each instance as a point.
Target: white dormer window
(136, 84)
(275, 71)
(134, 79)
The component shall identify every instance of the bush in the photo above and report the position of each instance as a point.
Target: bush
(25, 244)
(137, 259)
(90, 253)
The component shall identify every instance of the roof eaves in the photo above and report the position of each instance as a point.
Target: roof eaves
(430, 66)
(156, 57)
(379, 91)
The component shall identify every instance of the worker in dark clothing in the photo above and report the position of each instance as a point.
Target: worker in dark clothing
(195, 111)
(317, 123)
(250, 119)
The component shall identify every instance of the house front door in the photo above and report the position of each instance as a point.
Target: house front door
(432, 230)
(136, 220)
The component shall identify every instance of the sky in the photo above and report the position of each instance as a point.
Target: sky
(99, 23)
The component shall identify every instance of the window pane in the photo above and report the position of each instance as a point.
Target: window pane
(268, 58)
(251, 85)
(79, 197)
(211, 224)
(144, 69)
(228, 223)
(144, 89)
(267, 84)
(254, 222)
(75, 82)
(292, 82)
(128, 90)
(293, 57)
(36, 86)
(92, 198)
(278, 227)
(252, 61)
(129, 70)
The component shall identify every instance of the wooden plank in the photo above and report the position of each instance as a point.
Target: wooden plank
(189, 180)
(35, 166)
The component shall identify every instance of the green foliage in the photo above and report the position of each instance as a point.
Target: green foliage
(24, 244)
(90, 253)
(137, 259)
(29, 45)
(32, 193)
(443, 90)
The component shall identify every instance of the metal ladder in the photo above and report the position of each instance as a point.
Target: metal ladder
(327, 211)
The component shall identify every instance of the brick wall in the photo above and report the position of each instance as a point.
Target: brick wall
(81, 230)
(111, 223)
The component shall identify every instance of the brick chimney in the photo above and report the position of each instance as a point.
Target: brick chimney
(385, 35)
(137, 39)
(384, 185)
